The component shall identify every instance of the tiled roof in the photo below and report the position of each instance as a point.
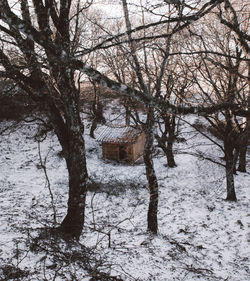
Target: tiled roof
(121, 135)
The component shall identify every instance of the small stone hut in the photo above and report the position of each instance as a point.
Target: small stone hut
(122, 143)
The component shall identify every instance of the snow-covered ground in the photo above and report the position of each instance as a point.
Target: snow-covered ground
(201, 236)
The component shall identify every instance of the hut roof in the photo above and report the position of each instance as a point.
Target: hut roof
(122, 135)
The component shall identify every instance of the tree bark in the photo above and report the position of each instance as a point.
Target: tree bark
(70, 130)
(231, 196)
(170, 154)
(150, 173)
(97, 110)
(167, 138)
(242, 159)
(243, 147)
(93, 128)
(235, 159)
(167, 147)
(72, 224)
(127, 115)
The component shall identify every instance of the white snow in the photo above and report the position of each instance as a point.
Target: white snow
(201, 236)
(123, 87)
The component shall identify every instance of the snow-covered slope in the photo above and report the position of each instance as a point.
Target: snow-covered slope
(201, 236)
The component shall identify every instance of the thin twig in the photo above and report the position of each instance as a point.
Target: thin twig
(47, 183)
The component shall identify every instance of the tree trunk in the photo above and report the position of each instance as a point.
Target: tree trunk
(167, 149)
(231, 196)
(170, 154)
(171, 138)
(97, 110)
(242, 159)
(127, 115)
(92, 129)
(168, 137)
(70, 136)
(72, 224)
(74, 151)
(235, 159)
(151, 176)
(243, 147)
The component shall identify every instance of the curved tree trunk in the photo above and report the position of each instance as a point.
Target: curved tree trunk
(72, 224)
(70, 134)
(150, 173)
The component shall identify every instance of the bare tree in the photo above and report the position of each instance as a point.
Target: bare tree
(222, 80)
(45, 45)
(175, 87)
(235, 16)
(50, 83)
(150, 73)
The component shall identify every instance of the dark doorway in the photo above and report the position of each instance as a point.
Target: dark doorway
(123, 153)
